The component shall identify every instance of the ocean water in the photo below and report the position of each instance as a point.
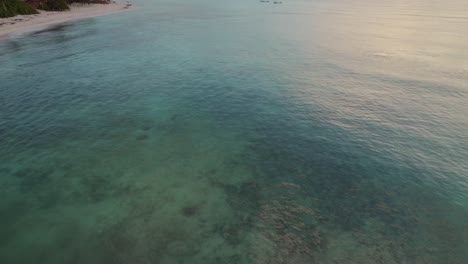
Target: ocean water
(238, 132)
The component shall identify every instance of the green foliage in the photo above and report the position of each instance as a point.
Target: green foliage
(9, 8)
(55, 5)
(87, 1)
(80, 1)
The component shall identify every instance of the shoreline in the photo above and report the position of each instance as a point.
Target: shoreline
(28, 23)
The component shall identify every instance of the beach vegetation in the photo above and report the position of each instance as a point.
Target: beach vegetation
(54, 5)
(9, 8)
(89, 1)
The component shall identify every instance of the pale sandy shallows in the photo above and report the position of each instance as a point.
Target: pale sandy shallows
(26, 23)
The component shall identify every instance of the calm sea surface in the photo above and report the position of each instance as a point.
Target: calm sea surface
(211, 132)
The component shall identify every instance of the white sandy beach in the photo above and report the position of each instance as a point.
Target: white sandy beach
(27, 23)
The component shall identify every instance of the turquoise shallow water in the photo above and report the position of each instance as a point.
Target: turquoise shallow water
(238, 132)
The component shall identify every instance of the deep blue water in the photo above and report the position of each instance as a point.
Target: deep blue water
(238, 132)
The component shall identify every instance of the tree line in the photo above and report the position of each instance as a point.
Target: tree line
(9, 8)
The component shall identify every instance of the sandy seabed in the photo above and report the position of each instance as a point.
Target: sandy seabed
(26, 23)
